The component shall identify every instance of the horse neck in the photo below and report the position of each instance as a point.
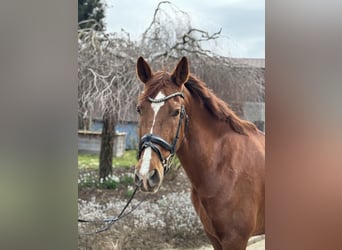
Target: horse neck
(201, 135)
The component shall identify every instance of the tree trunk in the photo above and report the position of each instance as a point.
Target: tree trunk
(107, 141)
(80, 122)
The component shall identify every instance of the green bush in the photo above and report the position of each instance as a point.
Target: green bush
(110, 182)
(86, 180)
(91, 180)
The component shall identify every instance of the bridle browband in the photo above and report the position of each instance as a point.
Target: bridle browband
(152, 141)
(165, 98)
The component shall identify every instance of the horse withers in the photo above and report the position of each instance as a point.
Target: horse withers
(222, 155)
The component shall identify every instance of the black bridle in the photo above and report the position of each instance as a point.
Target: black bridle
(153, 141)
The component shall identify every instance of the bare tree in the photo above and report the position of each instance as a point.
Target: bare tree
(170, 35)
(108, 83)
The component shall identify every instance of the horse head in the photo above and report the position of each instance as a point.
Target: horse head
(162, 121)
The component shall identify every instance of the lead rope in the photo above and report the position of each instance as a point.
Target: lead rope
(112, 220)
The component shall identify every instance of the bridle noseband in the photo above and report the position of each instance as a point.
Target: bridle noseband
(152, 141)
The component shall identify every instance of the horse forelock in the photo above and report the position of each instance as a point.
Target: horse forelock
(161, 81)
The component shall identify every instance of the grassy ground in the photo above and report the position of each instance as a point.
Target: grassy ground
(122, 178)
(91, 161)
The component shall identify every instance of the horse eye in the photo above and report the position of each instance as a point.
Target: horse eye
(176, 112)
(138, 109)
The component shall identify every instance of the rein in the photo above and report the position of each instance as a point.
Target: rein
(153, 141)
(111, 221)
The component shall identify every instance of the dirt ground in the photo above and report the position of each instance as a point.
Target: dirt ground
(126, 235)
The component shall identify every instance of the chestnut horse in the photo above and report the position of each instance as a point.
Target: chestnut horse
(222, 155)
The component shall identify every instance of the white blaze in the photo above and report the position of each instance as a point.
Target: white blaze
(156, 107)
(147, 156)
(145, 163)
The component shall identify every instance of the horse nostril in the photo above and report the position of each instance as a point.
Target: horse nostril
(154, 178)
(138, 180)
(153, 172)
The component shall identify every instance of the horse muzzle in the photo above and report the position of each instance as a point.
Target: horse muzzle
(149, 182)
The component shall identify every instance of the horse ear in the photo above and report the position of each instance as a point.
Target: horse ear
(143, 70)
(180, 74)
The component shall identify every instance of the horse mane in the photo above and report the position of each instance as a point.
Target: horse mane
(217, 107)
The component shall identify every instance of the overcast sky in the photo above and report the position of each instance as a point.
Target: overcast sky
(242, 21)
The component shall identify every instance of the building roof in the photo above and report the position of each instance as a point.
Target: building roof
(249, 62)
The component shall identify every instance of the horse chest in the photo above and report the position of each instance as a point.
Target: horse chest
(206, 214)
